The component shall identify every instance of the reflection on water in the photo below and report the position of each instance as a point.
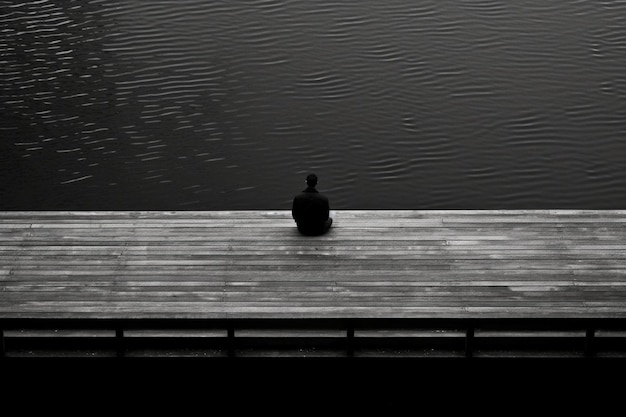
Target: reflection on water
(189, 104)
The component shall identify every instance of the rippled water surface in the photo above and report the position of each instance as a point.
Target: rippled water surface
(206, 105)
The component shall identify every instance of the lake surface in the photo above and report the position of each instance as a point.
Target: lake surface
(395, 104)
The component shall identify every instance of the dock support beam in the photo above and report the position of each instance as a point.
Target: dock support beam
(231, 341)
(119, 342)
(350, 340)
(469, 341)
(589, 339)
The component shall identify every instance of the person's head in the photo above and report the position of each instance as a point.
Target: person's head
(311, 180)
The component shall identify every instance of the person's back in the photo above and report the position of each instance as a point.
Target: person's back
(311, 209)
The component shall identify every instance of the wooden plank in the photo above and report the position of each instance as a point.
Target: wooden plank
(352, 246)
(388, 251)
(340, 213)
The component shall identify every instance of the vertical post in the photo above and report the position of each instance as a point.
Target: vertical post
(469, 340)
(2, 348)
(119, 341)
(350, 339)
(231, 340)
(589, 339)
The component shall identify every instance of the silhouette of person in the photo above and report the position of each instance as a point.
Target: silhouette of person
(311, 209)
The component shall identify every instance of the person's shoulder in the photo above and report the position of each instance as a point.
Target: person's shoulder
(300, 196)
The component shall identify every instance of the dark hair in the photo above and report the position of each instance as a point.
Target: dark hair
(311, 180)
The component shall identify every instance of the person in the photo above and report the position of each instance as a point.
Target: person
(311, 209)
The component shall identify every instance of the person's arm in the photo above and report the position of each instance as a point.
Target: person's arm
(326, 209)
(294, 209)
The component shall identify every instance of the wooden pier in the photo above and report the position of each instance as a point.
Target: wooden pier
(404, 282)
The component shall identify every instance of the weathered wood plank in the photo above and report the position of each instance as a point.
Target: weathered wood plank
(388, 252)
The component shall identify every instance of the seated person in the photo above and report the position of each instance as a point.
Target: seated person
(311, 210)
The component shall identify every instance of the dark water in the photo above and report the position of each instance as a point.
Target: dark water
(205, 105)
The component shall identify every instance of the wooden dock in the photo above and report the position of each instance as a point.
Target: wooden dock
(375, 274)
